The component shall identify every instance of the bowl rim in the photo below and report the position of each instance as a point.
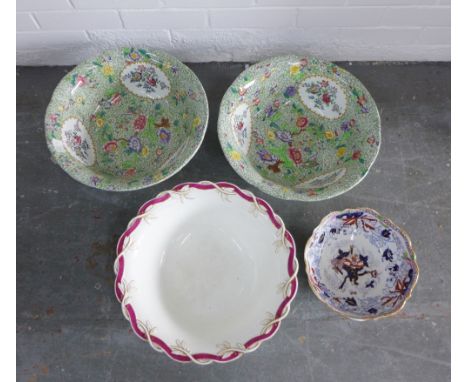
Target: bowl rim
(179, 352)
(275, 189)
(411, 252)
(137, 186)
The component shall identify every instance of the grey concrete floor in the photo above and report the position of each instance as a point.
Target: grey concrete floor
(69, 324)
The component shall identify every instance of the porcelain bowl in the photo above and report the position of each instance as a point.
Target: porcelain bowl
(206, 272)
(126, 119)
(361, 264)
(299, 128)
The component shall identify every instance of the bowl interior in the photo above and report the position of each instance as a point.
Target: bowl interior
(126, 118)
(206, 271)
(299, 128)
(361, 264)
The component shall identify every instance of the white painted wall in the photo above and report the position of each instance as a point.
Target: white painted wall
(57, 32)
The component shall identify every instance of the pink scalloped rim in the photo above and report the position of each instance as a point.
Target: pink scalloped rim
(158, 341)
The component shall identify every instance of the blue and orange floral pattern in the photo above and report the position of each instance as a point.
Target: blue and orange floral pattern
(361, 264)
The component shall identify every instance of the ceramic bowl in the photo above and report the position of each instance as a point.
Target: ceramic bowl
(205, 272)
(361, 264)
(126, 119)
(299, 128)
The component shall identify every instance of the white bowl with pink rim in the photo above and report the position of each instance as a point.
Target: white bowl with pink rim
(206, 272)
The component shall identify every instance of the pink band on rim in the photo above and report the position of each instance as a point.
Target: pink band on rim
(158, 341)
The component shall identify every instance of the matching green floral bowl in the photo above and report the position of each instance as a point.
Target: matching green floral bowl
(127, 119)
(299, 128)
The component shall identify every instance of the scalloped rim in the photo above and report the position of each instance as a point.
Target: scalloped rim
(410, 251)
(158, 342)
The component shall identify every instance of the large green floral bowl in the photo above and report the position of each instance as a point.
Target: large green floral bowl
(127, 119)
(299, 128)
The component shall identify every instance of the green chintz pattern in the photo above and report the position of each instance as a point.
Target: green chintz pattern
(126, 119)
(299, 128)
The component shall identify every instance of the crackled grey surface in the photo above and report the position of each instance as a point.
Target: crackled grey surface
(70, 327)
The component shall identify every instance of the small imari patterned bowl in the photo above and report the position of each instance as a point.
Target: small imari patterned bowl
(205, 272)
(299, 128)
(127, 119)
(361, 264)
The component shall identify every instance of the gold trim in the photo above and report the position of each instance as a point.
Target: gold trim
(412, 255)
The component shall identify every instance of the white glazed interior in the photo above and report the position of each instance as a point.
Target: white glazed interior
(205, 269)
